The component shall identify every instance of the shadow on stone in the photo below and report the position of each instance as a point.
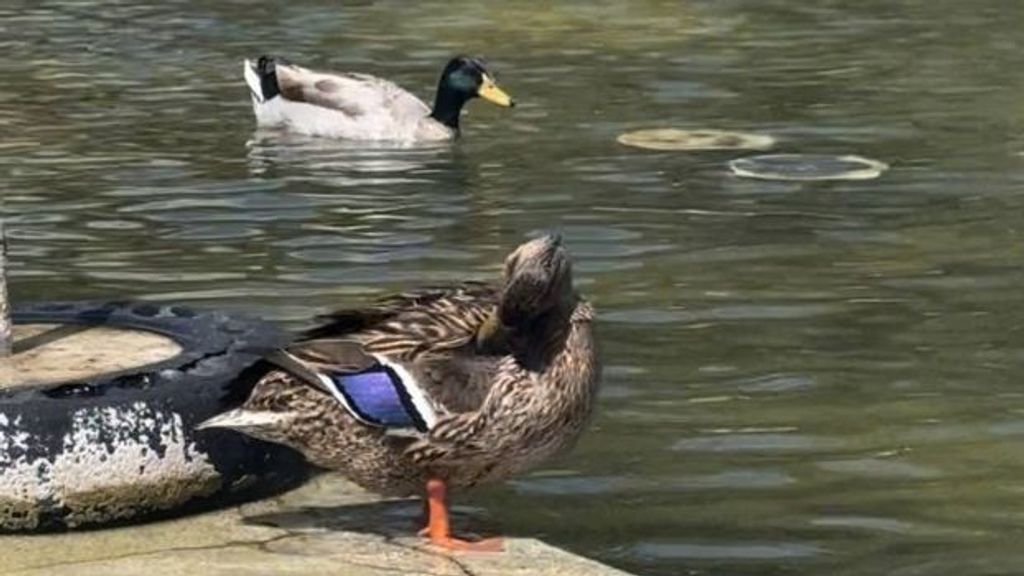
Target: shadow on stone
(389, 518)
(48, 337)
(326, 527)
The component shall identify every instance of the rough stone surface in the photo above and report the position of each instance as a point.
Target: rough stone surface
(68, 353)
(327, 527)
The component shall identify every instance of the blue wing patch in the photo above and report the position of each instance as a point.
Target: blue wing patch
(377, 396)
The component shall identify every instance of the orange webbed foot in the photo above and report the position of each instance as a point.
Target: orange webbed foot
(459, 545)
(438, 529)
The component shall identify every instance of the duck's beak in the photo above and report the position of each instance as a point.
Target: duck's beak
(489, 91)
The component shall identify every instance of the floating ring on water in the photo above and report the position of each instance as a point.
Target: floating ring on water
(807, 167)
(695, 140)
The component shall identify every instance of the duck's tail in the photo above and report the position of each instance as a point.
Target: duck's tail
(262, 78)
(244, 420)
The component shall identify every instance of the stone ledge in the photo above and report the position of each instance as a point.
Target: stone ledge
(307, 531)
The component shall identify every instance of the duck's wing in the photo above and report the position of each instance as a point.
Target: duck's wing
(402, 397)
(405, 362)
(414, 326)
(355, 95)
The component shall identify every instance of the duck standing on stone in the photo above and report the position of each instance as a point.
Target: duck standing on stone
(437, 389)
(356, 106)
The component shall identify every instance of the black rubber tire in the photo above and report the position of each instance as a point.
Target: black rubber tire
(151, 410)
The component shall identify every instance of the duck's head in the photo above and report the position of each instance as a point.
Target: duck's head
(537, 280)
(465, 78)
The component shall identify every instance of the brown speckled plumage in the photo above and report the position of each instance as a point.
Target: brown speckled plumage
(512, 368)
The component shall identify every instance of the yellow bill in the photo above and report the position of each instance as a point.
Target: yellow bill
(489, 91)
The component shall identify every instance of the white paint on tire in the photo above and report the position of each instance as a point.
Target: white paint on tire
(115, 461)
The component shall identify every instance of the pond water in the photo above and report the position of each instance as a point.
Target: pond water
(802, 378)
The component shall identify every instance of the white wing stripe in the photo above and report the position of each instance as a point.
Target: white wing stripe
(416, 393)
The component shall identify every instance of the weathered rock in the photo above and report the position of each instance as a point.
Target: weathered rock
(327, 527)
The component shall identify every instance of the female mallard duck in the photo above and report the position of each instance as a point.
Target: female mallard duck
(364, 107)
(449, 387)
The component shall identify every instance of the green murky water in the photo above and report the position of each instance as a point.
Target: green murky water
(803, 378)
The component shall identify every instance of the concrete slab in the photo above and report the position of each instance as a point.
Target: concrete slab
(327, 527)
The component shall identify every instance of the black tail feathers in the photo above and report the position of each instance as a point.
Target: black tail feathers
(266, 69)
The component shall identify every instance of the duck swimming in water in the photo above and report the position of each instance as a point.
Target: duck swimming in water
(357, 106)
(441, 388)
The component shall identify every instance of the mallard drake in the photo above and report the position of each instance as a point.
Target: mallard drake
(440, 388)
(363, 107)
